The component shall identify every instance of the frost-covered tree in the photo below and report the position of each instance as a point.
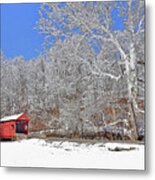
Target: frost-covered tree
(94, 22)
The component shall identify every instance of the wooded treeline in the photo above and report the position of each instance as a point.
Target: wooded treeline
(90, 82)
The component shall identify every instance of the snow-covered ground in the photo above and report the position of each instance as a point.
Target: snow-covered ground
(58, 154)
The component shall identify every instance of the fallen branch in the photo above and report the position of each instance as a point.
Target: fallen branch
(121, 149)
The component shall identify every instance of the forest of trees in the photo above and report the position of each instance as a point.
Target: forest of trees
(90, 82)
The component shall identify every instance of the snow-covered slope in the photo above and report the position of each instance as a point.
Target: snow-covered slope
(39, 153)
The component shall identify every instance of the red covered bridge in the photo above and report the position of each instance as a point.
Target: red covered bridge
(10, 125)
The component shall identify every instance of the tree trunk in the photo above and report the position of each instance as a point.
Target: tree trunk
(132, 89)
(134, 132)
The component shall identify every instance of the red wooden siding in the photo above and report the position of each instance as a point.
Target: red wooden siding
(8, 129)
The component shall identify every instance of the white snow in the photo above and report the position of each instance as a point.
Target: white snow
(64, 154)
(13, 117)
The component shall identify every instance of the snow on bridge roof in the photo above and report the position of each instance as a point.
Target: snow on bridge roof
(13, 117)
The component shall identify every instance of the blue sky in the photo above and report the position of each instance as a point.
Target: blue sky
(18, 36)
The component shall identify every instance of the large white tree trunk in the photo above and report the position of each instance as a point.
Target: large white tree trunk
(132, 88)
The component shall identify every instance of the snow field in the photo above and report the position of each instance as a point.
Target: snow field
(64, 154)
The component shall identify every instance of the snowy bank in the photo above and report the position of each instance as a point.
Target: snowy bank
(64, 154)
